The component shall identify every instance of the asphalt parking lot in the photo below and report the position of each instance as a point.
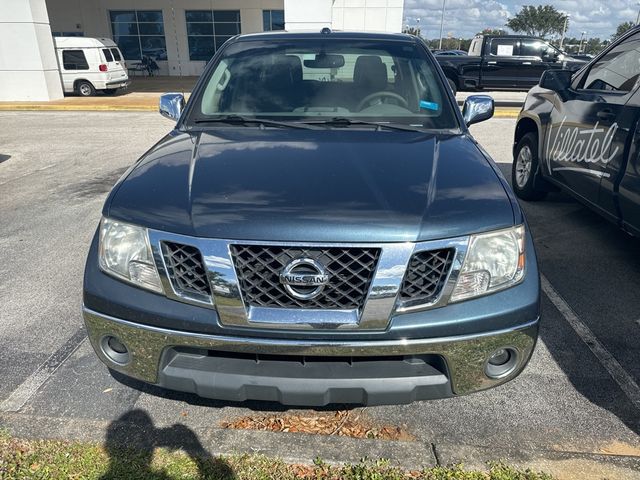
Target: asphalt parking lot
(576, 408)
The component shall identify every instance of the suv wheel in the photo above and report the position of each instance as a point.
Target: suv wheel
(85, 89)
(524, 171)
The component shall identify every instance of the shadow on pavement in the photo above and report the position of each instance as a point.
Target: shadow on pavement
(131, 442)
(4, 157)
(594, 262)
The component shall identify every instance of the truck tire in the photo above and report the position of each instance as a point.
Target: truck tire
(85, 89)
(452, 84)
(525, 169)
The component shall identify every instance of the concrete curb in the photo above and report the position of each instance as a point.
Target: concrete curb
(304, 448)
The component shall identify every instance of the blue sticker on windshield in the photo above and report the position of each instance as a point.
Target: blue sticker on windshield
(429, 105)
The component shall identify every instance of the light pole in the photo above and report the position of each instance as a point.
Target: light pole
(638, 17)
(581, 38)
(459, 43)
(564, 30)
(442, 23)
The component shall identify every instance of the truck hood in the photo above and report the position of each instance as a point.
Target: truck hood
(313, 186)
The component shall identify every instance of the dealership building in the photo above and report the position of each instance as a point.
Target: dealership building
(179, 35)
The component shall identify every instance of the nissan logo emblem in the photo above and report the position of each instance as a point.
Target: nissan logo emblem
(304, 278)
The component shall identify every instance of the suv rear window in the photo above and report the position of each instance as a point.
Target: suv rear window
(116, 54)
(107, 55)
(74, 60)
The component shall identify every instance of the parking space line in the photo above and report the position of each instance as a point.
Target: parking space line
(21, 395)
(608, 361)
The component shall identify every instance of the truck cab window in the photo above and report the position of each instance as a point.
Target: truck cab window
(503, 47)
(618, 70)
(533, 47)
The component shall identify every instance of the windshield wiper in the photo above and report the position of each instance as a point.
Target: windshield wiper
(347, 122)
(240, 120)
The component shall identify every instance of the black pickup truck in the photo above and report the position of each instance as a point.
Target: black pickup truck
(505, 61)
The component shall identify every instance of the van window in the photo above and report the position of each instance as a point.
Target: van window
(74, 60)
(107, 55)
(116, 54)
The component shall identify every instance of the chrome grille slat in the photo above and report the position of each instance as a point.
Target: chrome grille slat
(426, 275)
(185, 269)
(351, 271)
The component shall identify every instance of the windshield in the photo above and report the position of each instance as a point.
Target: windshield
(315, 80)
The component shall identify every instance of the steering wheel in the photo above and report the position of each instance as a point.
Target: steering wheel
(382, 94)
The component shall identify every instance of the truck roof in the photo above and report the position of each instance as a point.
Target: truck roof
(480, 35)
(317, 34)
(83, 42)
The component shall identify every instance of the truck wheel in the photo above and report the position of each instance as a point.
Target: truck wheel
(85, 89)
(525, 171)
(453, 85)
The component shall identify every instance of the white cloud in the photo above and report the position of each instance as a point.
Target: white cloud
(465, 18)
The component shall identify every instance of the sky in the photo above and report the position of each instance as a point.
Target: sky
(465, 18)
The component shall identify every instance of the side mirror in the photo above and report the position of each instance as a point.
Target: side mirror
(477, 108)
(171, 105)
(556, 80)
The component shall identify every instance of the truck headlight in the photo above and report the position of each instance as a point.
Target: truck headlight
(124, 252)
(494, 261)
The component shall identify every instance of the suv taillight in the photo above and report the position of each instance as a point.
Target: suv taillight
(103, 68)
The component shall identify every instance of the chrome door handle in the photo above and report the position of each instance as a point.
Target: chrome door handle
(526, 63)
(491, 63)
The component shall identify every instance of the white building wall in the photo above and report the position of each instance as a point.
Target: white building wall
(368, 15)
(28, 65)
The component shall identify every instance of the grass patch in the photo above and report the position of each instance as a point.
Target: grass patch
(57, 460)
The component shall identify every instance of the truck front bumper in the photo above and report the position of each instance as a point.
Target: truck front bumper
(309, 372)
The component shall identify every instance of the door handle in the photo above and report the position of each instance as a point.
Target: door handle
(606, 114)
(526, 63)
(491, 63)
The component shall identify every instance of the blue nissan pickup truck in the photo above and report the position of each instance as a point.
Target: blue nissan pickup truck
(319, 227)
(580, 132)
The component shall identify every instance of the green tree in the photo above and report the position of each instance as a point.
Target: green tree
(593, 46)
(538, 21)
(623, 28)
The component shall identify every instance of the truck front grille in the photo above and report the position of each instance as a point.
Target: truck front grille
(185, 269)
(350, 273)
(426, 275)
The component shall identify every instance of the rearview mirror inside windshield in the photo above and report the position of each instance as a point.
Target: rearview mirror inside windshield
(323, 60)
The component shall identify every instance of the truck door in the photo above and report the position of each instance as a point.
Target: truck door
(500, 63)
(628, 189)
(589, 125)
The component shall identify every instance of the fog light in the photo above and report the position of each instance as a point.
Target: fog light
(501, 363)
(115, 350)
(500, 357)
(116, 345)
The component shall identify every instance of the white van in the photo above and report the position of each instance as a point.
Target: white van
(90, 64)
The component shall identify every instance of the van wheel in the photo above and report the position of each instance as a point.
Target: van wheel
(110, 91)
(85, 89)
(452, 85)
(525, 170)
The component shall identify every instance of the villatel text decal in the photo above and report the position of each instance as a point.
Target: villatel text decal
(581, 145)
